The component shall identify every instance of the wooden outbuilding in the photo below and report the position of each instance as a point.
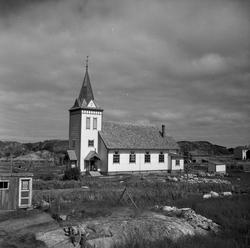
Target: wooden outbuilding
(15, 190)
(216, 167)
(72, 159)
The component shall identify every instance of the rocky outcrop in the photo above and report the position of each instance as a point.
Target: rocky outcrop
(125, 224)
(191, 178)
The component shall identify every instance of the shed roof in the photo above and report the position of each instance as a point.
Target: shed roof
(72, 155)
(175, 156)
(128, 136)
(19, 174)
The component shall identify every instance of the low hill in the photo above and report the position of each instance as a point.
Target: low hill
(202, 147)
(17, 149)
(61, 146)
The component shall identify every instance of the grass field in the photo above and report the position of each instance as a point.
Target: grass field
(232, 213)
(100, 195)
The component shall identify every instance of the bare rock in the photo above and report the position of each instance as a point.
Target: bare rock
(63, 217)
(44, 205)
(168, 208)
(214, 194)
(174, 179)
(207, 196)
(227, 193)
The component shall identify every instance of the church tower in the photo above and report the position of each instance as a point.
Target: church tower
(85, 120)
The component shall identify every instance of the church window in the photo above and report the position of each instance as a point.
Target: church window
(91, 143)
(95, 123)
(88, 123)
(147, 157)
(116, 158)
(161, 157)
(132, 157)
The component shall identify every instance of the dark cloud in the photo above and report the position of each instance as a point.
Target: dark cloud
(184, 63)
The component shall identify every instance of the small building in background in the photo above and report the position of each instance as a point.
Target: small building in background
(71, 159)
(216, 167)
(242, 152)
(15, 190)
(197, 156)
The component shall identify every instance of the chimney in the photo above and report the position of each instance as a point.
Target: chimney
(163, 130)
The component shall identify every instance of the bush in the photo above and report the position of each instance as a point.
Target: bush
(27, 240)
(72, 174)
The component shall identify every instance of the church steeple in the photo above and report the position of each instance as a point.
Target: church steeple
(85, 121)
(86, 93)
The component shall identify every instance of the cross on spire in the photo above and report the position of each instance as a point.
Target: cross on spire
(87, 63)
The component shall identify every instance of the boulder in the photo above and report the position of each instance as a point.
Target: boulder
(227, 193)
(214, 194)
(63, 217)
(207, 196)
(168, 208)
(44, 205)
(174, 179)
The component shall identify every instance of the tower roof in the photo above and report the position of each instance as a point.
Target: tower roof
(86, 96)
(86, 92)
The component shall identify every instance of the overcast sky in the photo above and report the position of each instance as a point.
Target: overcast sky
(184, 63)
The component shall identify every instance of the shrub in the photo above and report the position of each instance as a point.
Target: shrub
(72, 174)
(27, 240)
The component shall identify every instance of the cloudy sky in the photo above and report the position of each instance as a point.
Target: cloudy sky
(184, 63)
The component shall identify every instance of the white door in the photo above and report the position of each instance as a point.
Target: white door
(25, 192)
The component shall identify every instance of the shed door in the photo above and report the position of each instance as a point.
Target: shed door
(25, 192)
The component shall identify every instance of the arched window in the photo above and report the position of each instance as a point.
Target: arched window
(147, 157)
(116, 158)
(132, 157)
(161, 157)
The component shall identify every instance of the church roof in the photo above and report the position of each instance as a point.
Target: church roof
(128, 136)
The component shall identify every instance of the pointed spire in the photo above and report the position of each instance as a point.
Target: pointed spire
(86, 92)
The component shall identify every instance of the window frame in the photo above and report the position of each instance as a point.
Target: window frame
(161, 157)
(132, 161)
(88, 123)
(177, 162)
(116, 157)
(5, 181)
(147, 158)
(95, 123)
(90, 143)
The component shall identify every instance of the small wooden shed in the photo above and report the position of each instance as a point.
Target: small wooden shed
(15, 190)
(72, 158)
(216, 167)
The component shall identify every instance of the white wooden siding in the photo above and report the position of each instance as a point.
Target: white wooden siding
(89, 134)
(177, 167)
(140, 165)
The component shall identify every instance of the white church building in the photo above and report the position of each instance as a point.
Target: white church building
(111, 147)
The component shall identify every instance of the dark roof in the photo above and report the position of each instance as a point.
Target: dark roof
(86, 92)
(175, 156)
(5, 168)
(128, 136)
(92, 154)
(20, 174)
